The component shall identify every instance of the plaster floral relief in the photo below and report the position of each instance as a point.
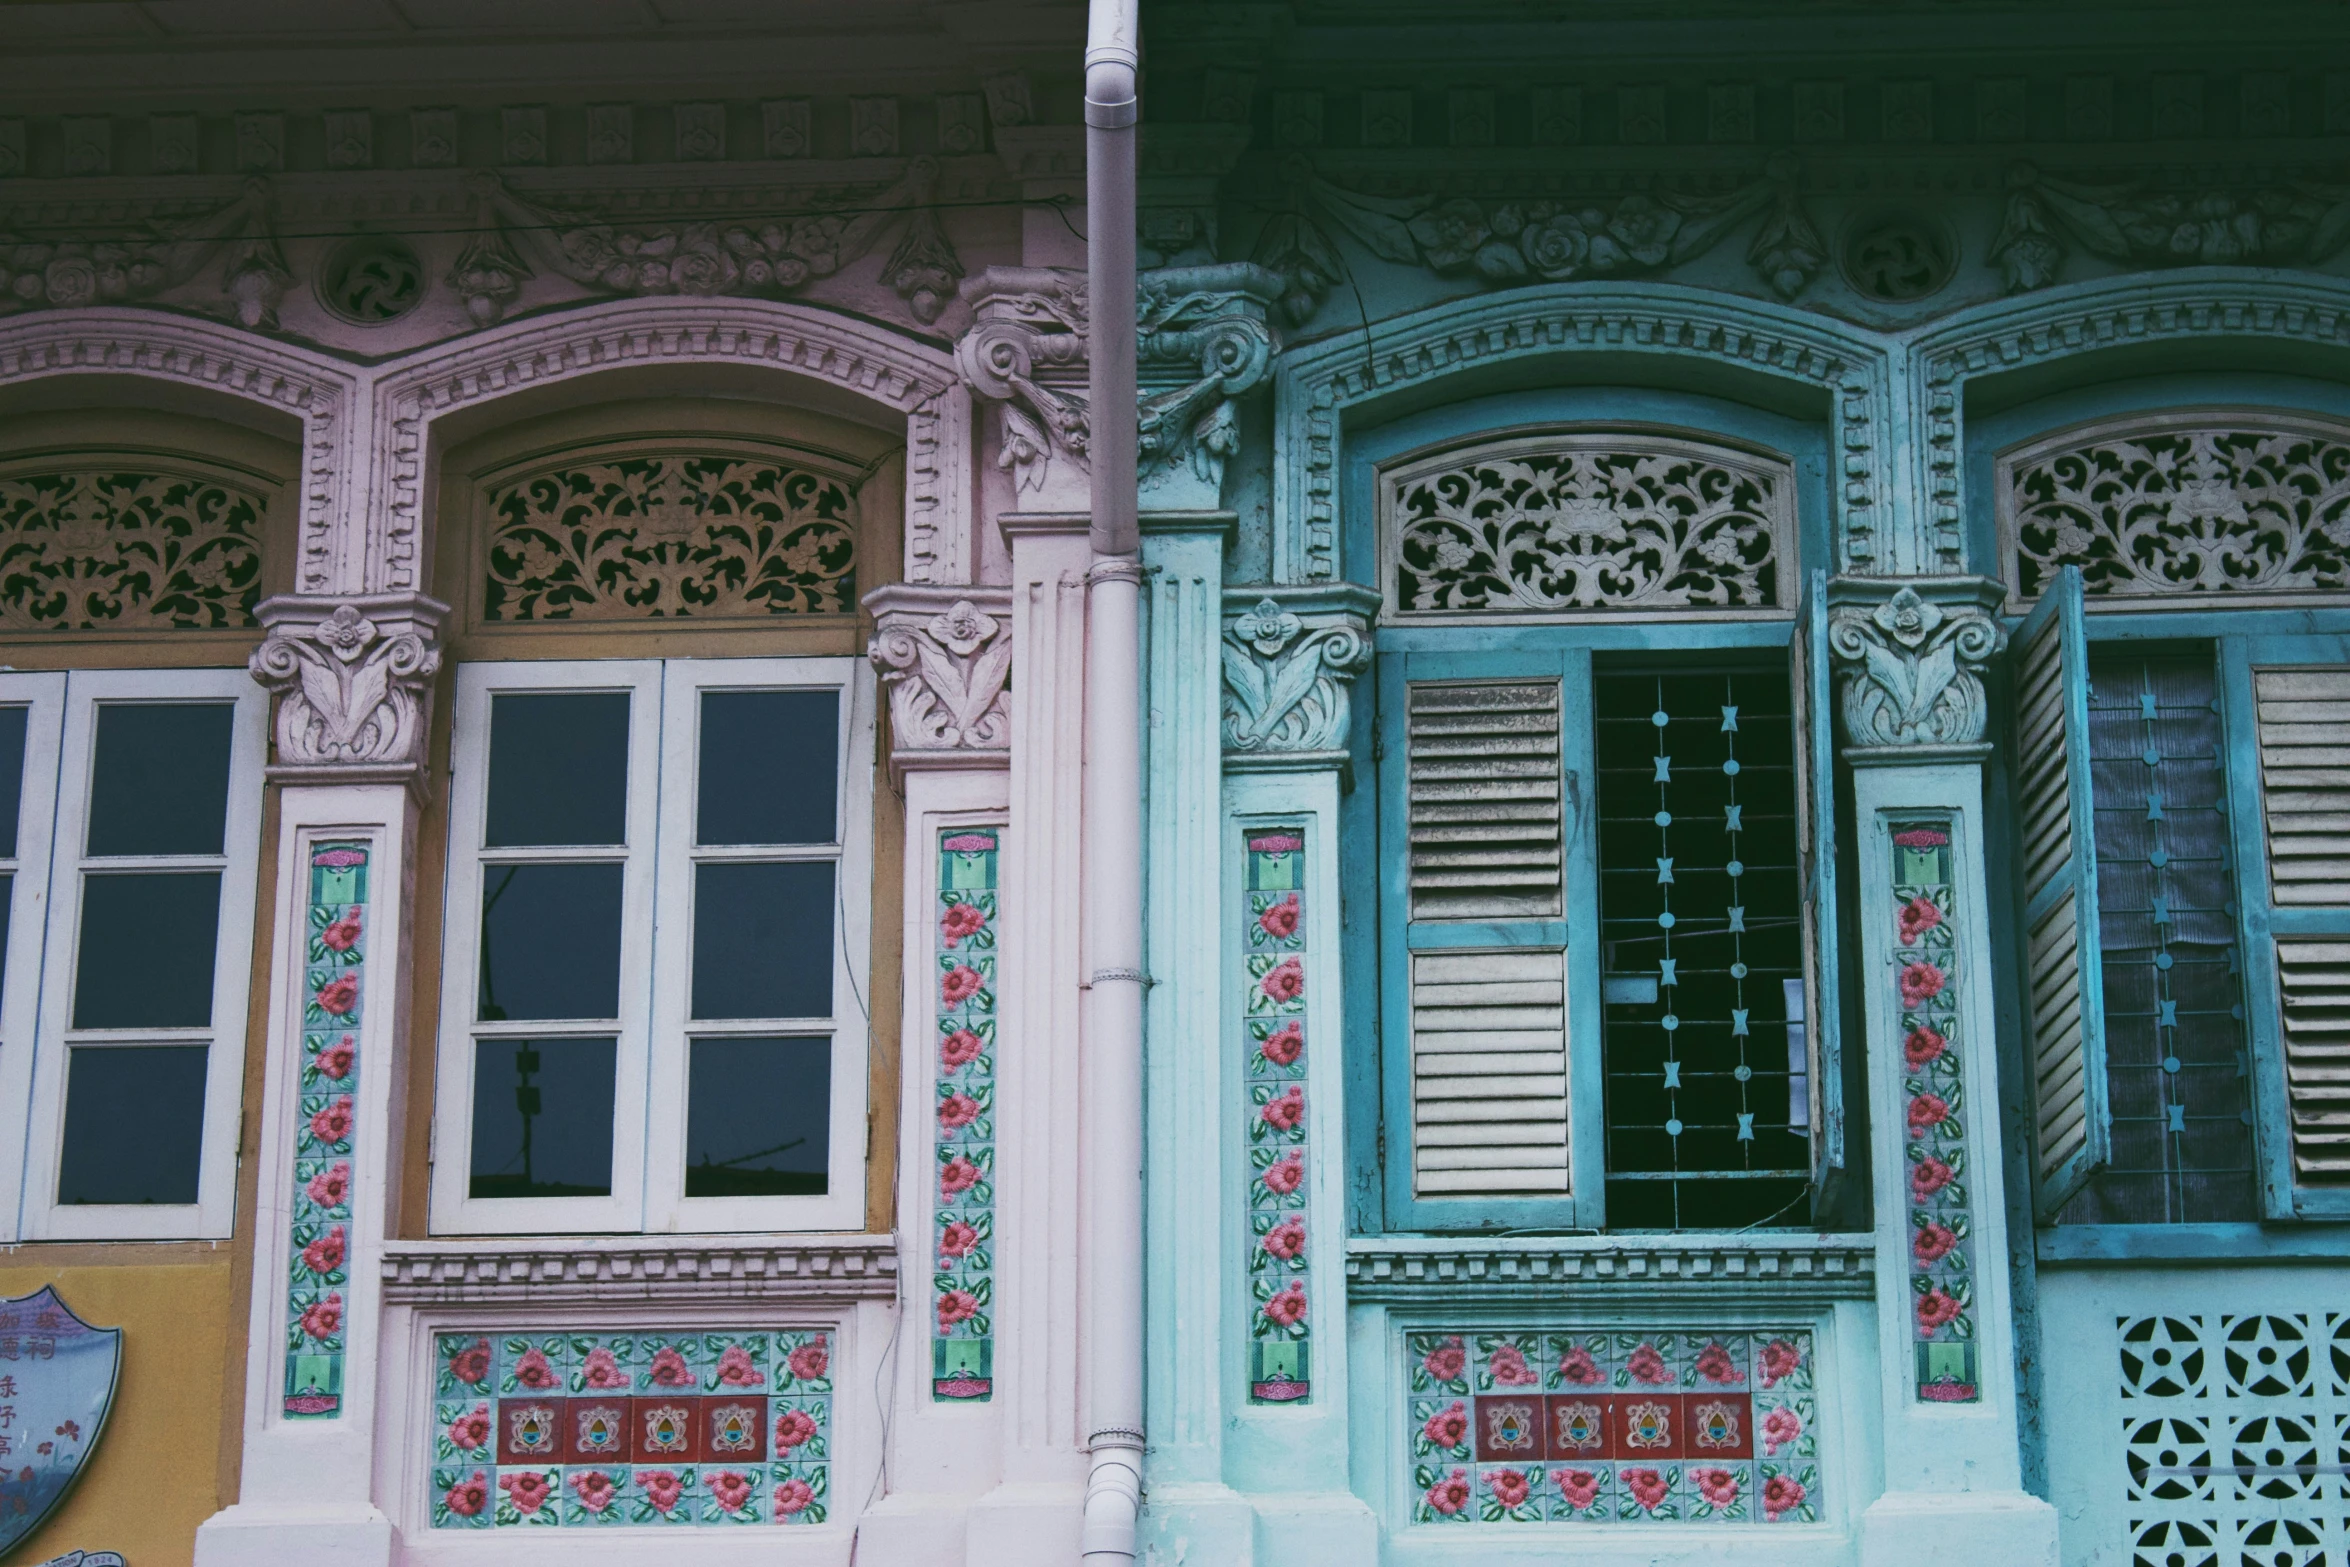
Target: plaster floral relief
(109, 548)
(138, 263)
(2173, 508)
(1286, 681)
(354, 685)
(2140, 223)
(670, 534)
(1914, 670)
(947, 665)
(1589, 522)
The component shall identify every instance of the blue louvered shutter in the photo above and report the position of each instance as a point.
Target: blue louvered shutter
(1810, 676)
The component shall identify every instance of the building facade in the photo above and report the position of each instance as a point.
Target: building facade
(1746, 835)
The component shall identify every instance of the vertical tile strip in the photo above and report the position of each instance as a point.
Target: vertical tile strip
(962, 1344)
(334, 963)
(1933, 1088)
(1273, 1033)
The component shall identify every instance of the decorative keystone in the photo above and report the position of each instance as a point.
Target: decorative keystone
(945, 655)
(1290, 660)
(353, 677)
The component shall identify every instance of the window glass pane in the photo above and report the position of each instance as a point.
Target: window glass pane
(558, 768)
(159, 780)
(767, 772)
(1700, 925)
(758, 1117)
(763, 940)
(134, 1124)
(550, 941)
(7, 910)
(147, 949)
(12, 730)
(2177, 1068)
(542, 1117)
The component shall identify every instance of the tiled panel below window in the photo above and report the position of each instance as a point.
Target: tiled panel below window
(1605, 1425)
(551, 1429)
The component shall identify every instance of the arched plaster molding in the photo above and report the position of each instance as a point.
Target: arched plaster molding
(1316, 385)
(214, 357)
(908, 377)
(2200, 303)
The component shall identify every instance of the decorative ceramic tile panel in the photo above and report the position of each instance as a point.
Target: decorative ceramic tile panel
(2235, 1438)
(674, 534)
(555, 1429)
(962, 1345)
(1933, 1091)
(1610, 1425)
(1273, 1033)
(334, 971)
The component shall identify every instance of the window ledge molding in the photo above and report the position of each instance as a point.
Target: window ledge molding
(2219, 1245)
(681, 1271)
(1812, 1267)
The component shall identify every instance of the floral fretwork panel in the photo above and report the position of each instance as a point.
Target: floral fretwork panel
(107, 549)
(1568, 523)
(670, 535)
(2233, 509)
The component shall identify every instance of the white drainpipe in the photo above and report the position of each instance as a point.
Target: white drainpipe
(1111, 1131)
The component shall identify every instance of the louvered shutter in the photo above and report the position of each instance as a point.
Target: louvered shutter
(2064, 993)
(1474, 823)
(2301, 720)
(1809, 676)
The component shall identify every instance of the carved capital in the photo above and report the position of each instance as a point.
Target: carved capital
(945, 655)
(353, 678)
(1910, 656)
(1203, 339)
(1026, 351)
(1290, 662)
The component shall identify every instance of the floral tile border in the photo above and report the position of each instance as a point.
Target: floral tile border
(1933, 1091)
(333, 985)
(1609, 1425)
(962, 1342)
(1273, 1035)
(659, 1401)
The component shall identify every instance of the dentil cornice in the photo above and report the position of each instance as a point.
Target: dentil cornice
(669, 1270)
(353, 678)
(1909, 659)
(945, 655)
(1291, 656)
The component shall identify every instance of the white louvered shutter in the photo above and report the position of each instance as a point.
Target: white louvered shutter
(2064, 992)
(1484, 821)
(2303, 722)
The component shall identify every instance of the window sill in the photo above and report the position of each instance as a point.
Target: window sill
(2219, 1244)
(1787, 1267)
(684, 1270)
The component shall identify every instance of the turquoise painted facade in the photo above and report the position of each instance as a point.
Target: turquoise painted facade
(1962, 298)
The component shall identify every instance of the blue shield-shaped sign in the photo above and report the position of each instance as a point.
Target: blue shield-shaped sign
(57, 1380)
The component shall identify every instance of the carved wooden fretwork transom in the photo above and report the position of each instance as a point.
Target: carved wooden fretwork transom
(669, 533)
(2235, 505)
(1588, 522)
(113, 545)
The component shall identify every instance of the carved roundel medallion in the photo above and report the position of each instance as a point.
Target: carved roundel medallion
(371, 279)
(1897, 256)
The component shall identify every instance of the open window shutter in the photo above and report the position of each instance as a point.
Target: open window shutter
(1810, 674)
(2302, 720)
(1482, 950)
(2064, 997)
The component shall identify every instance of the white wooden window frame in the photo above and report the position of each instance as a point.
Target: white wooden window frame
(652, 1059)
(43, 698)
(212, 1215)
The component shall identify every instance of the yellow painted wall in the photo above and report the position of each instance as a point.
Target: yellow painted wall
(156, 1474)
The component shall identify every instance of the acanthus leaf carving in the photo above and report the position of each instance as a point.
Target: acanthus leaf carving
(1547, 239)
(1202, 341)
(1026, 351)
(945, 657)
(353, 680)
(1290, 663)
(1912, 667)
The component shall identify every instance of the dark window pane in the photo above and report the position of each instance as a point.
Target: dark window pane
(550, 941)
(12, 726)
(146, 954)
(558, 768)
(758, 1117)
(159, 782)
(542, 1117)
(134, 1124)
(7, 909)
(767, 767)
(763, 940)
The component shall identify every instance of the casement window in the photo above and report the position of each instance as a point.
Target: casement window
(650, 1020)
(130, 817)
(2183, 854)
(1607, 944)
